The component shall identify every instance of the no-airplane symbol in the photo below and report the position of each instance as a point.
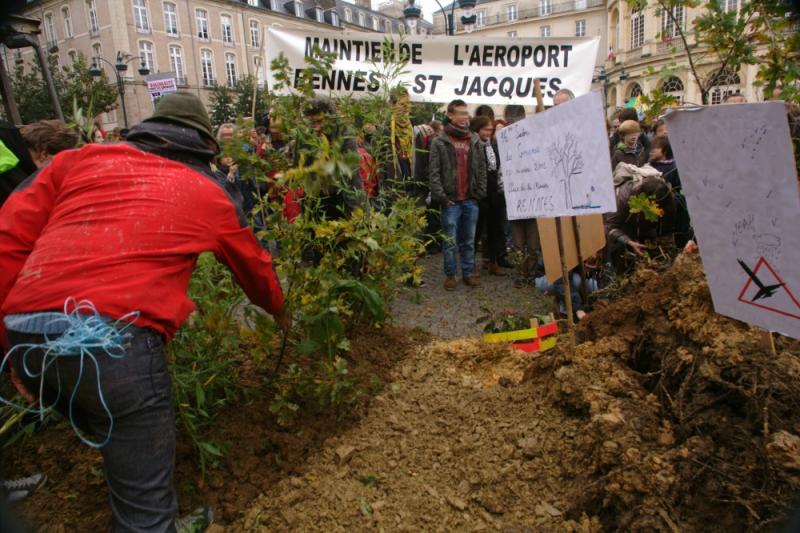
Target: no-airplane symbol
(765, 289)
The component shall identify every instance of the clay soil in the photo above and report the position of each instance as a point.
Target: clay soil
(664, 417)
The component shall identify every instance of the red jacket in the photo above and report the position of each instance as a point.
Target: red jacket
(123, 227)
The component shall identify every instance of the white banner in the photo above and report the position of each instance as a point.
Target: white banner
(441, 68)
(557, 163)
(740, 181)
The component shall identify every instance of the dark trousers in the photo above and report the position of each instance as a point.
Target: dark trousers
(491, 223)
(140, 457)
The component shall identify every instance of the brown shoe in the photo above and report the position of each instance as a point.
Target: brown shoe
(495, 270)
(450, 283)
(472, 281)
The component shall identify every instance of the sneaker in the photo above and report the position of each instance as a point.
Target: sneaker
(18, 489)
(472, 281)
(195, 522)
(450, 283)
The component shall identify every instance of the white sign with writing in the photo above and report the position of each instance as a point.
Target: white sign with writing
(440, 68)
(557, 163)
(160, 84)
(740, 181)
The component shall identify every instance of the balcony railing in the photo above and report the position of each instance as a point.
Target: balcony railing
(524, 14)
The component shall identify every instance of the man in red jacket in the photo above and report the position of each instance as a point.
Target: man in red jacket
(121, 225)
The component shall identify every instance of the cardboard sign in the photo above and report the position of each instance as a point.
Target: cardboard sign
(591, 233)
(441, 68)
(160, 84)
(557, 163)
(739, 177)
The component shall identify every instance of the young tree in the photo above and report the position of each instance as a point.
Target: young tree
(244, 98)
(222, 105)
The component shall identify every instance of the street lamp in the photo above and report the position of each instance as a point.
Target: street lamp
(602, 77)
(412, 14)
(120, 66)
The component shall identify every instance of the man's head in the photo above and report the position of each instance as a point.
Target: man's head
(225, 132)
(562, 96)
(483, 126)
(185, 109)
(485, 111)
(46, 138)
(734, 98)
(628, 113)
(458, 114)
(660, 149)
(319, 113)
(514, 113)
(660, 129)
(436, 126)
(629, 132)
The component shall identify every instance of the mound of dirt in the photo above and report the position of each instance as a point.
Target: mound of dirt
(691, 422)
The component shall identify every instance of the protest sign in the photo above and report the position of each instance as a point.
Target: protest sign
(590, 232)
(441, 68)
(740, 181)
(160, 84)
(557, 163)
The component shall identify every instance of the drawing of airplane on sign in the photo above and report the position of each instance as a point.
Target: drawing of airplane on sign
(765, 289)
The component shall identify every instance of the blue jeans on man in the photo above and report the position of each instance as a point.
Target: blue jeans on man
(458, 225)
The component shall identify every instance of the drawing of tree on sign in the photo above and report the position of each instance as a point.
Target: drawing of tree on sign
(568, 161)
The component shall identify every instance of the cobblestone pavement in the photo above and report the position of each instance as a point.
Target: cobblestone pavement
(453, 314)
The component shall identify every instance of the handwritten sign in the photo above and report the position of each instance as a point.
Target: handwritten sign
(740, 181)
(160, 84)
(557, 163)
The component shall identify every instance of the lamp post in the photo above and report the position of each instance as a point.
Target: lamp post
(412, 14)
(120, 66)
(602, 77)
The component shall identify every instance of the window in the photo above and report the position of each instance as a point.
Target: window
(73, 56)
(387, 26)
(512, 34)
(580, 4)
(544, 31)
(671, 20)
(176, 63)
(334, 18)
(207, 67)
(275, 5)
(253, 3)
(673, 86)
(401, 28)
(634, 91)
(725, 82)
(67, 22)
(50, 29)
(730, 6)
(254, 33)
(202, 24)
(376, 25)
(97, 51)
(318, 14)
(146, 55)
(348, 14)
(230, 69)
(545, 7)
(170, 19)
(140, 16)
(362, 19)
(91, 9)
(580, 28)
(637, 28)
(298, 9)
(511, 12)
(480, 18)
(227, 29)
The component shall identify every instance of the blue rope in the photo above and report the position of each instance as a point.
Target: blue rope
(87, 335)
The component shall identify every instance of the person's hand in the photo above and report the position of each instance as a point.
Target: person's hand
(690, 248)
(284, 320)
(637, 247)
(450, 202)
(20, 386)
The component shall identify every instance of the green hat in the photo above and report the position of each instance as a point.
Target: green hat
(186, 109)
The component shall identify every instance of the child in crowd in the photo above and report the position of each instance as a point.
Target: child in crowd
(629, 149)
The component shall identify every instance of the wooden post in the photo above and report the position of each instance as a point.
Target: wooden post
(576, 231)
(537, 91)
(565, 280)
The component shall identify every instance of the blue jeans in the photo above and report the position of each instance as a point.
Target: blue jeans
(140, 457)
(458, 225)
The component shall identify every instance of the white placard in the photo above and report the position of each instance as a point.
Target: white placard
(160, 84)
(442, 68)
(740, 181)
(557, 163)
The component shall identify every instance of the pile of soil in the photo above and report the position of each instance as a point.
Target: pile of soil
(447, 447)
(690, 422)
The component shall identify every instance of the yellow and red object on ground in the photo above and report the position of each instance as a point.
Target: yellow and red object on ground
(534, 339)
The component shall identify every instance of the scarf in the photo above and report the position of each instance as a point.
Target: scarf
(455, 131)
(491, 160)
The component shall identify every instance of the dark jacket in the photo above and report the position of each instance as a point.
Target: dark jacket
(495, 198)
(622, 226)
(683, 225)
(442, 170)
(634, 156)
(644, 140)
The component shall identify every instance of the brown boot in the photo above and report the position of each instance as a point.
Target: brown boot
(450, 283)
(472, 281)
(495, 270)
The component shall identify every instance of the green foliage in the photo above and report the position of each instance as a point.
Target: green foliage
(655, 102)
(223, 107)
(243, 93)
(647, 206)
(423, 112)
(75, 86)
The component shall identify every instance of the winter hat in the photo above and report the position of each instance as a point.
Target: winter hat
(185, 109)
(628, 127)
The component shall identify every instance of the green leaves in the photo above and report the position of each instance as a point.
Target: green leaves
(646, 206)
